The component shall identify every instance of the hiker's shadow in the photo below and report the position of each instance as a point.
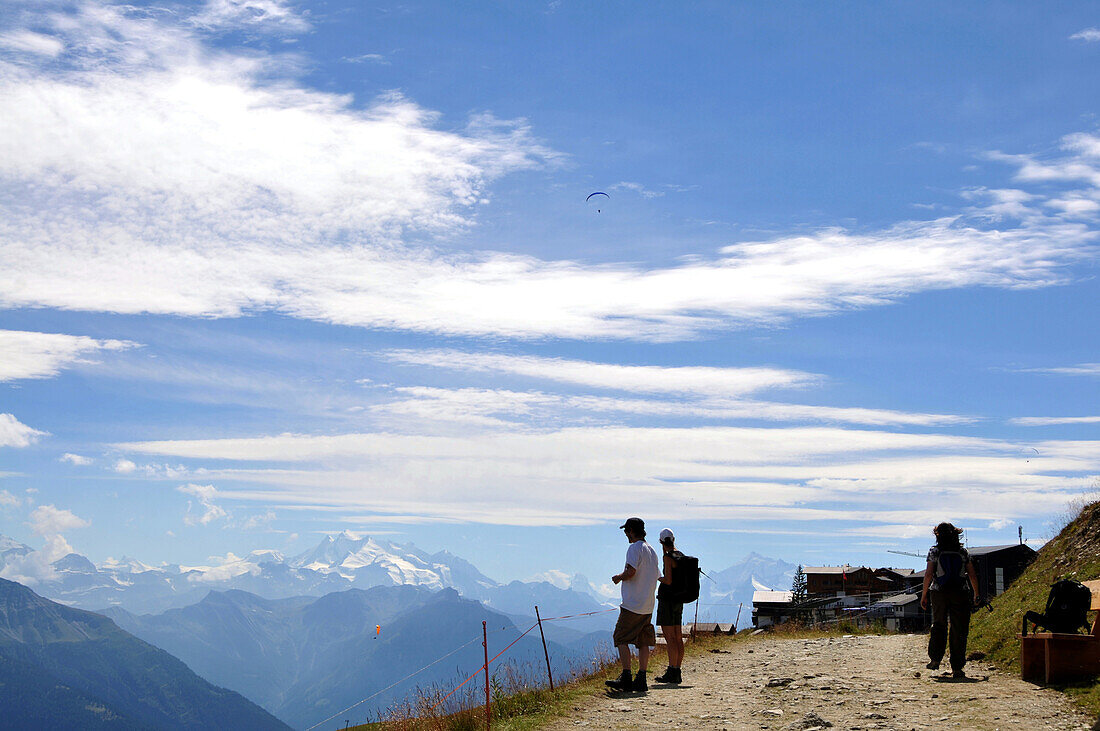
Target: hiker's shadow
(611, 693)
(967, 679)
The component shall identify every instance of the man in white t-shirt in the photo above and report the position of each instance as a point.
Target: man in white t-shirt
(635, 626)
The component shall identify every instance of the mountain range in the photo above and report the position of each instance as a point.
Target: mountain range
(338, 562)
(68, 668)
(306, 635)
(305, 658)
(345, 561)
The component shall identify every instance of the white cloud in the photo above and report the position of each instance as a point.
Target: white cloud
(7, 500)
(124, 466)
(1089, 35)
(503, 408)
(311, 196)
(1000, 524)
(49, 520)
(76, 459)
(560, 579)
(1053, 420)
(575, 476)
(644, 379)
(14, 433)
(30, 42)
(36, 566)
(270, 15)
(701, 392)
(1081, 369)
(368, 57)
(637, 188)
(43, 355)
(206, 495)
(259, 521)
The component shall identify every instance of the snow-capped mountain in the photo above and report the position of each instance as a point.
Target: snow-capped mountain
(338, 562)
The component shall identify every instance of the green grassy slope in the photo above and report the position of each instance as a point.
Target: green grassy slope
(1074, 554)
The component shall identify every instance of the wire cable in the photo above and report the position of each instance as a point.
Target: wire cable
(433, 662)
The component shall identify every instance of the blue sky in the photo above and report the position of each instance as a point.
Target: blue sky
(272, 269)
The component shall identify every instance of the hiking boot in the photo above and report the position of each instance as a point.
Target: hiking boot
(667, 676)
(958, 674)
(623, 682)
(933, 665)
(639, 685)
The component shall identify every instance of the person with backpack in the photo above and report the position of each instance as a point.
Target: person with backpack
(950, 586)
(670, 611)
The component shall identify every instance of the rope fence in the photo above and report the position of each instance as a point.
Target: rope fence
(484, 667)
(486, 633)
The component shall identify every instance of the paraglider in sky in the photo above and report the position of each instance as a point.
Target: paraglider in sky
(593, 195)
(377, 630)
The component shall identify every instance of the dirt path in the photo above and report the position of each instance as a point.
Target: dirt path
(857, 683)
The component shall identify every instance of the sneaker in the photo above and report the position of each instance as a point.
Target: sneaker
(623, 682)
(934, 665)
(639, 685)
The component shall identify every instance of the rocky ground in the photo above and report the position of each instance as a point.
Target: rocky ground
(857, 683)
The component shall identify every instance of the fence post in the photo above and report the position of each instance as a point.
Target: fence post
(696, 622)
(738, 617)
(485, 644)
(545, 654)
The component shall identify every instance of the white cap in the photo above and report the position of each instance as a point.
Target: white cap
(666, 534)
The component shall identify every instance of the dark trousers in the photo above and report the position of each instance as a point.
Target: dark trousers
(949, 607)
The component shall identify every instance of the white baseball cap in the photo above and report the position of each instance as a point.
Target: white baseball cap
(666, 534)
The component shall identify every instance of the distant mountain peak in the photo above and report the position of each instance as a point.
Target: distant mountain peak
(8, 543)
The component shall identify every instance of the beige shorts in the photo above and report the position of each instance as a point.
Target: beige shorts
(634, 629)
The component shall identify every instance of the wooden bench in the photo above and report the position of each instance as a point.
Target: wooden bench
(1047, 657)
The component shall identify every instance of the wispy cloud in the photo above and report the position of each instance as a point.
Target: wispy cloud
(377, 58)
(1081, 369)
(532, 409)
(14, 433)
(637, 188)
(314, 197)
(1053, 420)
(208, 510)
(581, 475)
(699, 380)
(266, 15)
(1090, 35)
(44, 355)
(76, 459)
(30, 42)
(695, 392)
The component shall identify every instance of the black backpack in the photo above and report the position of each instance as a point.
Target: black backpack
(1067, 608)
(950, 570)
(685, 580)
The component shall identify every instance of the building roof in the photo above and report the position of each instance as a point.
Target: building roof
(899, 599)
(845, 569)
(771, 597)
(985, 550)
(900, 572)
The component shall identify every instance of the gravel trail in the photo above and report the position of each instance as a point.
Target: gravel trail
(859, 683)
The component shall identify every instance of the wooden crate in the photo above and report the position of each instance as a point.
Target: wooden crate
(1046, 657)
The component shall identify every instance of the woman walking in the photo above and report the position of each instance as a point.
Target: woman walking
(670, 613)
(950, 583)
